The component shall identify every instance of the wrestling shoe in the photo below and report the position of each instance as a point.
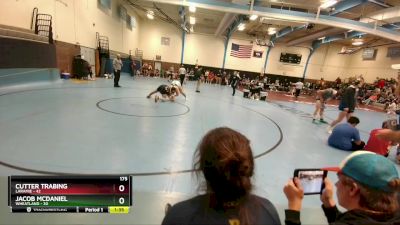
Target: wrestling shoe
(322, 121)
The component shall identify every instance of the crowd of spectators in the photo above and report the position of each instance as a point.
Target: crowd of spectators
(381, 92)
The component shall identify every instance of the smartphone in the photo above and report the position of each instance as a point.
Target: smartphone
(312, 180)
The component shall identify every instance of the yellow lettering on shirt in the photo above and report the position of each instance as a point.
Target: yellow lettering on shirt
(234, 222)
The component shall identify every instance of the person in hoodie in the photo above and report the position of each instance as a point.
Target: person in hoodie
(368, 187)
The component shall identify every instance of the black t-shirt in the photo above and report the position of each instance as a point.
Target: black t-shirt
(234, 80)
(195, 211)
(164, 89)
(348, 98)
(197, 74)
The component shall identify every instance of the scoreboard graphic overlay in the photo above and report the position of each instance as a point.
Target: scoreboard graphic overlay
(69, 194)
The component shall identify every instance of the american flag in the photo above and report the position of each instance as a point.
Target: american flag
(241, 51)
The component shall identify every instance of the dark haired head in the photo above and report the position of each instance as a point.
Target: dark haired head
(353, 120)
(225, 158)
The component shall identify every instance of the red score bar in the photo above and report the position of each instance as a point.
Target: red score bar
(86, 189)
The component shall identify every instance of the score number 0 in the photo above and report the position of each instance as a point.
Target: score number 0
(121, 188)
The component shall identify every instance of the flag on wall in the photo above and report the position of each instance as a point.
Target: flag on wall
(257, 54)
(241, 51)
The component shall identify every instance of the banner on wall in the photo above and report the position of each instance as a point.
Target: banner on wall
(257, 54)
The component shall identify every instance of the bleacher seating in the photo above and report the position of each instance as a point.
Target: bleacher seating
(378, 105)
(21, 33)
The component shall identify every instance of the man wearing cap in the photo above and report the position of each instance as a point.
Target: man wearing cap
(321, 98)
(367, 186)
(117, 65)
(345, 136)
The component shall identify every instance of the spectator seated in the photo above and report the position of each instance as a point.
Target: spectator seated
(246, 93)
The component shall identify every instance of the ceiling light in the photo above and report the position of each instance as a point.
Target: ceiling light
(150, 15)
(253, 17)
(241, 26)
(192, 20)
(357, 42)
(192, 8)
(271, 30)
(328, 4)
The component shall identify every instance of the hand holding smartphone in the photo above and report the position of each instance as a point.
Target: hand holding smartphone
(312, 180)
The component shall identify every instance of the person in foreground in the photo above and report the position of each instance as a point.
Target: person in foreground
(224, 157)
(390, 135)
(368, 186)
(346, 136)
(377, 145)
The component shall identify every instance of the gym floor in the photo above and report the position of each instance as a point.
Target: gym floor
(90, 127)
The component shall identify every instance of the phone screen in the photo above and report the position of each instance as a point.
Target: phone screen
(312, 180)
